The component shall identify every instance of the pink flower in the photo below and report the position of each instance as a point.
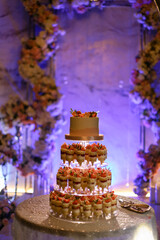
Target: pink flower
(140, 154)
(146, 123)
(148, 164)
(5, 209)
(5, 221)
(81, 9)
(152, 149)
(12, 215)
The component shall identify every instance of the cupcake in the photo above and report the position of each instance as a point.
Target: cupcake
(87, 209)
(92, 199)
(63, 152)
(76, 181)
(93, 155)
(58, 175)
(97, 208)
(113, 201)
(109, 177)
(80, 154)
(58, 205)
(103, 179)
(63, 180)
(91, 181)
(87, 151)
(105, 195)
(70, 177)
(98, 172)
(101, 153)
(65, 207)
(53, 198)
(70, 154)
(74, 145)
(84, 178)
(75, 208)
(107, 205)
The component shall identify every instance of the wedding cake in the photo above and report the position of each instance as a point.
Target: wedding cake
(86, 124)
(83, 181)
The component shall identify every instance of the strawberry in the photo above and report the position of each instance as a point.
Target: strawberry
(104, 195)
(94, 149)
(98, 201)
(83, 198)
(64, 145)
(88, 146)
(70, 147)
(114, 197)
(107, 200)
(92, 198)
(91, 175)
(100, 197)
(75, 202)
(87, 202)
(78, 112)
(66, 200)
(62, 194)
(59, 199)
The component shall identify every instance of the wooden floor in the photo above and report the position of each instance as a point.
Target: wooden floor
(5, 233)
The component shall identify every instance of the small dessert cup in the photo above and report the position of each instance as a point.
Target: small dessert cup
(76, 182)
(97, 208)
(107, 206)
(87, 209)
(65, 208)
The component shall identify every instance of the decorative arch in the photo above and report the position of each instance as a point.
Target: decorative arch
(39, 111)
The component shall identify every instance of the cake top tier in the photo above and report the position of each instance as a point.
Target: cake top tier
(76, 113)
(84, 126)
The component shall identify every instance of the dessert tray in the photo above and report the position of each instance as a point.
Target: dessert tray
(135, 207)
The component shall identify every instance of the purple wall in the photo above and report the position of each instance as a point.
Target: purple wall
(93, 67)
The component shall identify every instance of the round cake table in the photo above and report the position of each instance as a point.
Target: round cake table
(33, 221)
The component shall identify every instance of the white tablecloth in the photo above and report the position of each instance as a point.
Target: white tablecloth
(33, 221)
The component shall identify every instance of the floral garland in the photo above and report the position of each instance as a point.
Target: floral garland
(46, 94)
(145, 92)
(144, 80)
(79, 6)
(147, 13)
(41, 114)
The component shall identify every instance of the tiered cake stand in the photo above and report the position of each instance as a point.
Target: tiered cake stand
(84, 140)
(33, 220)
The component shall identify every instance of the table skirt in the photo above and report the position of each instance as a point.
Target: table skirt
(33, 221)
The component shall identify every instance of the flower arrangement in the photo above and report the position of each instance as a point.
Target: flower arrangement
(17, 111)
(7, 149)
(149, 163)
(145, 91)
(76, 113)
(6, 212)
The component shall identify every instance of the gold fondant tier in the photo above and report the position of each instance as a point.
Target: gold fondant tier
(84, 138)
